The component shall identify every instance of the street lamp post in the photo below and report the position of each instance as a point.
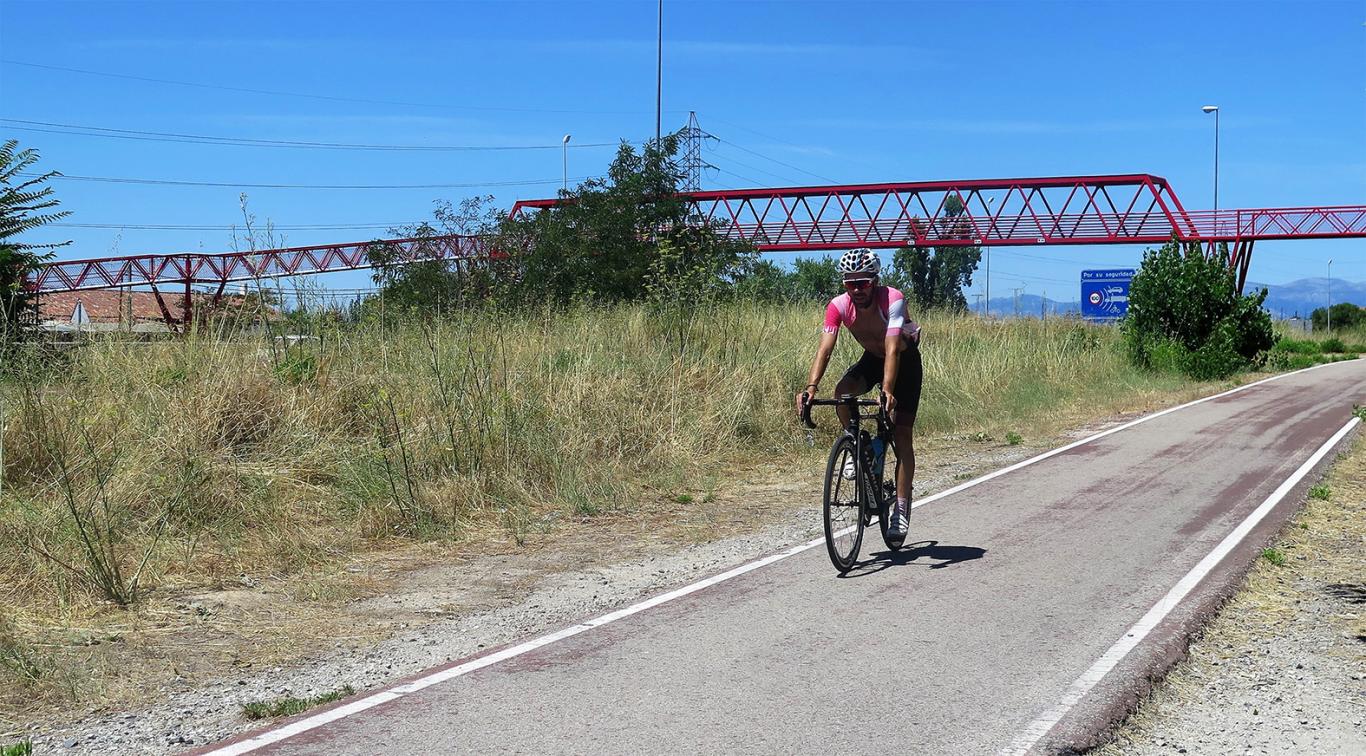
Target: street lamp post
(1215, 110)
(1330, 296)
(659, 71)
(564, 154)
(990, 227)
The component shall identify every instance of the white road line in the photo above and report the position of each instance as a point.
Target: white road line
(1135, 635)
(398, 691)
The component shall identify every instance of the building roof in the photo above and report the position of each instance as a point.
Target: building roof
(102, 307)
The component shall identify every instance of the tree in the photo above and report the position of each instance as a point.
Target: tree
(24, 202)
(815, 279)
(419, 278)
(601, 242)
(1345, 315)
(766, 281)
(935, 279)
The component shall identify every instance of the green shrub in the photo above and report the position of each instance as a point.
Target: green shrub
(1333, 345)
(1167, 356)
(1185, 314)
(1219, 357)
(1282, 361)
(22, 748)
(1297, 346)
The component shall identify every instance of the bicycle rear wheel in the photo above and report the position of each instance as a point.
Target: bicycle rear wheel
(843, 520)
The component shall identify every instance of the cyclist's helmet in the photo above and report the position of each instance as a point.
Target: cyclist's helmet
(861, 260)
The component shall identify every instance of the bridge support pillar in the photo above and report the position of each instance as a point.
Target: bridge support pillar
(1239, 261)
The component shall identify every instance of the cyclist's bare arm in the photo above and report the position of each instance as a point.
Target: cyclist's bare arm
(890, 364)
(822, 361)
(818, 366)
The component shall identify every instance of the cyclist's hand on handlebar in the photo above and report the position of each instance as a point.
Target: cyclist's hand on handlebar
(804, 396)
(888, 402)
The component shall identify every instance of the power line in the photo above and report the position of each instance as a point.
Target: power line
(759, 133)
(211, 227)
(1008, 274)
(732, 160)
(751, 181)
(170, 182)
(783, 141)
(330, 98)
(775, 160)
(160, 136)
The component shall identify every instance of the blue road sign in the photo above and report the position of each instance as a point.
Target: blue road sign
(1105, 293)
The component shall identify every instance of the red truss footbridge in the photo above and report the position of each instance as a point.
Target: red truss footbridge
(1061, 210)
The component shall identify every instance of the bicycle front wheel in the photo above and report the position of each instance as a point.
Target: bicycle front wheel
(843, 518)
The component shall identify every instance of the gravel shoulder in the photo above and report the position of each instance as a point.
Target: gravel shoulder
(1282, 667)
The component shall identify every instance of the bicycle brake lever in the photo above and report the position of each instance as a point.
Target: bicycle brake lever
(806, 412)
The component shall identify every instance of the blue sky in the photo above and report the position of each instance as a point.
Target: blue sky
(799, 92)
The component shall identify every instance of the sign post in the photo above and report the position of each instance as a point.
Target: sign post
(1105, 293)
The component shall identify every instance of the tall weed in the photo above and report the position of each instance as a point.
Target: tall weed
(226, 452)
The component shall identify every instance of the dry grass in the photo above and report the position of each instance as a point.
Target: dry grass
(134, 473)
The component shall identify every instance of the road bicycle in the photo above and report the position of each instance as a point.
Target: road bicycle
(856, 487)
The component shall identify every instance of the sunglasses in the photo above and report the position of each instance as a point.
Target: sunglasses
(858, 284)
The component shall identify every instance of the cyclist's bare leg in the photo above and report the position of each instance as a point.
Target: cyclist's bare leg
(848, 385)
(905, 459)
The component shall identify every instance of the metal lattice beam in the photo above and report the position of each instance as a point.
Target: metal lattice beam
(193, 268)
(1121, 209)
(1118, 209)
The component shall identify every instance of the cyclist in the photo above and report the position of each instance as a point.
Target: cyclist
(876, 317)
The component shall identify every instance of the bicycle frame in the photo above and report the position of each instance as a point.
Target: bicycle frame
(852, 428)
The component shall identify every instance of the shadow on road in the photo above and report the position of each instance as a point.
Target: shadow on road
(920, 554)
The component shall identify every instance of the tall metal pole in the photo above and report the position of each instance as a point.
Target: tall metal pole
(1330, 296)
(992, 227)
(1215, 110)
(659, 71)
(564, 153)
(988, 281)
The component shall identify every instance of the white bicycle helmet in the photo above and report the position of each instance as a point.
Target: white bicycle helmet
(861, 260)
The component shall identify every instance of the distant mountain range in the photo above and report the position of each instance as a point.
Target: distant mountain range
(1282, 300)
(1307, 294)
(1029, 305)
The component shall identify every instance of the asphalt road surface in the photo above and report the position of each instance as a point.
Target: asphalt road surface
(1017, 587)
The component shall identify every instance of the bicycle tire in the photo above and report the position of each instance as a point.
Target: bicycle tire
(841, 509)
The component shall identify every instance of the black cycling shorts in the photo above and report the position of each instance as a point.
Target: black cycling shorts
(909, 375)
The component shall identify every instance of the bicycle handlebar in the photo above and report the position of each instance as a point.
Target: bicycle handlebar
(847, 400)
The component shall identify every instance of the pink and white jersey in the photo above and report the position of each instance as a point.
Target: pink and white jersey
(889, 306)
